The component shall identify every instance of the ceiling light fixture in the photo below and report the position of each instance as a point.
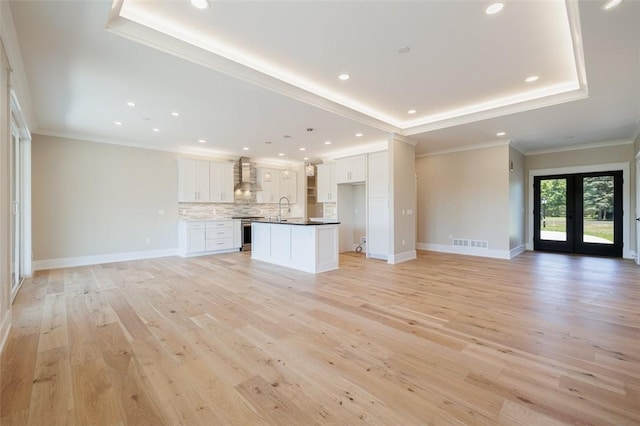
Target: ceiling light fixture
(344, 77)
(281, 154)
(246, 148)
(500, 133)
(305, 158)
(531, 79)
(327, 142)
(175, 114)
(131, 104)
(303, 149)
(404, 49)
(200, 4)
(611, 4)
(156, 130)
(411, 111)
(310, 170)
(358, 135)
(202, 141)
(118, 123)
(494, 8)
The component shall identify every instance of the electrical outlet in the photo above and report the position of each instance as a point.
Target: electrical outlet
(363, 240)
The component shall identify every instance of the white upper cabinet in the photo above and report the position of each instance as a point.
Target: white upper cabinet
(288, 185)
(269, 180)
(193, 181)
(327, 190)
(378, 181)
(351, 169)
(221, 182)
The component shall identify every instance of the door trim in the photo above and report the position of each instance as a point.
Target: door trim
(626, 196)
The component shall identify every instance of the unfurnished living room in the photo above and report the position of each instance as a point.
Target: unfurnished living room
(320, 212)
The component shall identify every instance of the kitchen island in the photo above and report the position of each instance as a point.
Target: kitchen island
(304, 245)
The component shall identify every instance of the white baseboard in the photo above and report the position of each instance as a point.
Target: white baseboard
(402, 257)
(70, 262)
(5, 326)
(517, 251)
(495, 254)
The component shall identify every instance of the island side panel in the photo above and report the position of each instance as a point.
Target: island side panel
(303, 248)
(326, 248)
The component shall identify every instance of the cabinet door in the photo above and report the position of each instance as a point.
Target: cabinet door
(325, 183)
(288, 185)
(195, 240)
(358, 168)
(193, 180)
(378, 181)
(187, 180)
(227, 179)
(343, 170)
(378, 228)
(269, 179)
(221, 182)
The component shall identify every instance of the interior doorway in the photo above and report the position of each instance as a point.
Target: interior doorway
(579, 213)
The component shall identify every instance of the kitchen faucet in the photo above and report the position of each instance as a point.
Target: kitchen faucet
(280, 207)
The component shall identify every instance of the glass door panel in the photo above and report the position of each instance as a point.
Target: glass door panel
(597, 209)
(553, 226)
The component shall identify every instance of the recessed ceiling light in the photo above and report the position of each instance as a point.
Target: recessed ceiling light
(327, 142)
(281, 154)
(175, 114)
(358, 135)
(411, 111)
(267, 142)
(202, 141)
(305, 158)
(344, 77)
(404, 49)
(531, 79)
(303, 149)
(118, 123)
(494, 8)
(156, 130)
(246, 148)
(131, 104)
(286, 136)
(146, 119)
(200, 4)
(611, 4)
(500, 134)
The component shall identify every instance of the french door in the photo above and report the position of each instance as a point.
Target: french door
(579, 213)
(16, 226)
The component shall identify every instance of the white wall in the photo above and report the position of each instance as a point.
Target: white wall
(402, 199)
(516, 200)
(465, 195)
(96, 199)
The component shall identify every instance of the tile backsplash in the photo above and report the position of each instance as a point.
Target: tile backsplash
(190, 211)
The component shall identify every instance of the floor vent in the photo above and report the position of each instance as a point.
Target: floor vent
(457, 242)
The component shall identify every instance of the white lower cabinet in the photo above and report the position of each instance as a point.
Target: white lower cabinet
(209, 237)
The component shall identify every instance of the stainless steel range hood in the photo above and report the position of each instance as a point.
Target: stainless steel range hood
(245, 183)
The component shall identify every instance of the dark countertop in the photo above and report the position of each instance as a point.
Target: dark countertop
(297, 222)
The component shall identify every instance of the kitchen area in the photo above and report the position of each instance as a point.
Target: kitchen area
(231, 206)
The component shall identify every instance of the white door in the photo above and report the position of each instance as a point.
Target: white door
(638, 211)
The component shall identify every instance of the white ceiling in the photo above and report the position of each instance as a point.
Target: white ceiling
(243, 73)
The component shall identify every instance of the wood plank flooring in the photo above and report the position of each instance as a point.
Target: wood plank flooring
(543, 339)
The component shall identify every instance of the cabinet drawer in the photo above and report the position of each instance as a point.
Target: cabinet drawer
(220, 224)
(219, 244)
(195, 225)
(217, 233)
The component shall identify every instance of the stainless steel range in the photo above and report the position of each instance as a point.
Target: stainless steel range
(246, 230)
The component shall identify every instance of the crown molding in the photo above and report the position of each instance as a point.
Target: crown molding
(464, 148)
(402, 138)
(579, 147)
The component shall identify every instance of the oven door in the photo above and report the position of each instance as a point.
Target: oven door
(246, 236)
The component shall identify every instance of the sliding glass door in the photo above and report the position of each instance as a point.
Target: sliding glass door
(579, 213)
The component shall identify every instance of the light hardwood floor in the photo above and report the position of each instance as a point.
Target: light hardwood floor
(543, 339)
